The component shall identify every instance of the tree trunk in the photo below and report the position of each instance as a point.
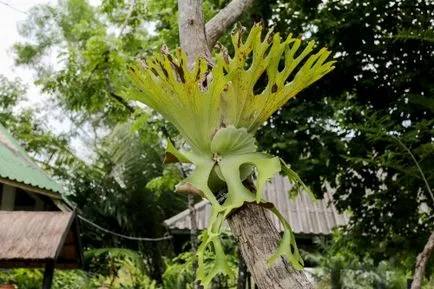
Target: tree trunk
(421, 261)
(258, 240)
(192, 30)
(257, 237)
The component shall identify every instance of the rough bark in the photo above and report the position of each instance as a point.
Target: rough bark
(224, 19)
(192, 29)
(256, 235)
(258, 240)
(421, 261)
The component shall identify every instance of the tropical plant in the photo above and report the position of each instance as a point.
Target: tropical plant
(216, 109)
(179, 272)
(337, 266)
(128, 190)
(123, 272)
(32, 279)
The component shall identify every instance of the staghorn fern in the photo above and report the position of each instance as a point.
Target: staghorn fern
(216, 110)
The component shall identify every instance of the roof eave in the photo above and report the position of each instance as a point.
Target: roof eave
(48, 193)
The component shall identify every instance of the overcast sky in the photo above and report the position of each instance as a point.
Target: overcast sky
(10, 16)
(12, 12)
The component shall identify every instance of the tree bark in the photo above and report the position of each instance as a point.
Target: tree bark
(192, 30)
(421, 261)
(258, 240)
(224, 19)
(257, 237)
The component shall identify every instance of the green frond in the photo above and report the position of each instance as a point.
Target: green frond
(201, 100)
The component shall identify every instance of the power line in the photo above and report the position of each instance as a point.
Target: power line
(12, 7)
(121, 235)
(89, 222)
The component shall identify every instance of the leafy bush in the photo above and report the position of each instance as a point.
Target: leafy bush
(339, 267)
(179, 270)
(123, 272)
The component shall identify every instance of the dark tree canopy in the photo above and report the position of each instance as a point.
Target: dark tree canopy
(347, 131)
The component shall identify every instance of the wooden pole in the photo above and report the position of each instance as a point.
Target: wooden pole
(48, 274)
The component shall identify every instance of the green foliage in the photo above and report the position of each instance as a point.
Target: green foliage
(23, 278)
(32, 279)
(423, 35)
(344, 131)
(128, 191)
(218, 118)
(74, 279)
(339, 267)
(122, 273)
(179, 272)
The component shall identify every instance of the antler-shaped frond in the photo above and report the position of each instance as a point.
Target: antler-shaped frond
(198, 104)
(287, 69)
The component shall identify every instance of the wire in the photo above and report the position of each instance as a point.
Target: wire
(89, 222)
(12, 7)
(123, 236)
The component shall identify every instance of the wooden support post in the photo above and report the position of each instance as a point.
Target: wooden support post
(48, 274)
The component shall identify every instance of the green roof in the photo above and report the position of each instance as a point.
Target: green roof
(18, 168)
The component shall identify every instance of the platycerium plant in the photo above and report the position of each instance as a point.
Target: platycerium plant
(216, 109)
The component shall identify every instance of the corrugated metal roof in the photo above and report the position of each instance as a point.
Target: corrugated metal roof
(17, 166)
(304, 215)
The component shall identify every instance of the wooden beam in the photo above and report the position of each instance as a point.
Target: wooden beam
(48, 274)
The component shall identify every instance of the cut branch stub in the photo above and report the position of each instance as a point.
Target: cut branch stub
(218, 118)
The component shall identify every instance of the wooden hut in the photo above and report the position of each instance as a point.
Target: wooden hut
(36, 228)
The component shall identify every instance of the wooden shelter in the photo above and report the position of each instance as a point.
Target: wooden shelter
(36, 228)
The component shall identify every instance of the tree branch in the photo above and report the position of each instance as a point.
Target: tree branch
(423, 256)
(114, 95)
(110, 88)
(421, 261)
(224, 19)
(428, 188)
(127, 18)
